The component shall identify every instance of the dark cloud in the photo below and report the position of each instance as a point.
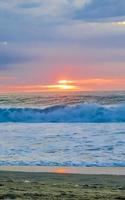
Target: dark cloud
(10, 58)
(104, 9)
(29, 5)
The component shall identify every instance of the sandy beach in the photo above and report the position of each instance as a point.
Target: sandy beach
(62, 183)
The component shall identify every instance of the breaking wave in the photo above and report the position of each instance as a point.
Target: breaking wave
(64, 114)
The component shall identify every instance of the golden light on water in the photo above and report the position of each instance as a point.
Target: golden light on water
(61, 170)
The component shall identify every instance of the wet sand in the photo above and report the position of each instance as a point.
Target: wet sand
(69, 170)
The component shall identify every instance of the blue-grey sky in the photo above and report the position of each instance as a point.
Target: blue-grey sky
(43, 41)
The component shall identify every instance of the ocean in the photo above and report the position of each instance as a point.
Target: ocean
(71, 129)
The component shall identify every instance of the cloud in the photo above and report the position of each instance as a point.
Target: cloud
(101, 10)
(81, 3)
(11, 56)
(40, 20)
(29, 5)
(2, 78)
(45, 8)
(72, 38)
(87, 10)
(3, 43)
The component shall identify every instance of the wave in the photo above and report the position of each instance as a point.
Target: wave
(87, 113)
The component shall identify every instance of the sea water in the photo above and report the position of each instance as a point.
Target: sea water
(78, 129)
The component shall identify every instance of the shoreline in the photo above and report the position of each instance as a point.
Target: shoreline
(66, 170)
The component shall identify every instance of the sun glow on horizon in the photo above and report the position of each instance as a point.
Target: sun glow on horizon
(65, 82)
(93, 84)
(121, 23)
(63, 85)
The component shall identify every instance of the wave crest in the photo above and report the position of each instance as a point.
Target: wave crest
(90, 113)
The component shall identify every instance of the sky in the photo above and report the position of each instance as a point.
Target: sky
(45, 41)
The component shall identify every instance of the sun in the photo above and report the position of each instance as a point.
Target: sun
(62, 85)
(66, 85)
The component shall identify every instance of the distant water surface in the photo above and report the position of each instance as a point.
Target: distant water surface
(64, 108)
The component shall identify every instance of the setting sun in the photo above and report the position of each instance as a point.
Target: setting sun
(62, 85)
(66, 85)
